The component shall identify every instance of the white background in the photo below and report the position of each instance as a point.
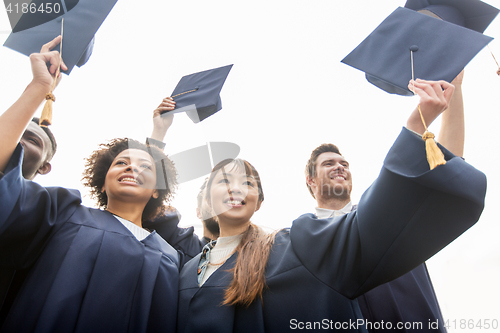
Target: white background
(287, 93)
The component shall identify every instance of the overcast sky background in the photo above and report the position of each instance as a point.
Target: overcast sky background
(287, 93)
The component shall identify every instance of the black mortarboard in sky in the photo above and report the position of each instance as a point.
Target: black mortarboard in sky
(82, 19)
(472, 14)
(440, 50)
(198, 94)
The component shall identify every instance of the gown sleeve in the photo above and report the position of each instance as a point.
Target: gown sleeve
(407, 215)
(184, 240)
(29, 213)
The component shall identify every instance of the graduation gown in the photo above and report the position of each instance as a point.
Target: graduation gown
(88, 273)
(407, 299)
(184, 240)
(318, 267)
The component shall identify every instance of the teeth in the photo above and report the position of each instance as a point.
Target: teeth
(234, 202)
(128, 179)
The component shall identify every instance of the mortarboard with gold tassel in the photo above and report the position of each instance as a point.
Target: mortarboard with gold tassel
(32, 29)
(408, 40)
(82, 19)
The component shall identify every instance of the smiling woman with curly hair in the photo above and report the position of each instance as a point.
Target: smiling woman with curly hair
(97, 165)
(90, 270)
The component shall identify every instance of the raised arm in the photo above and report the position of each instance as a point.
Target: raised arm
(162, 122)
(183, 240)
(407, 215)
(14, 121)
(452, 131)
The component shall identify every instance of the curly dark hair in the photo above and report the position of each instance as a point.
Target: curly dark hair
(99, 162)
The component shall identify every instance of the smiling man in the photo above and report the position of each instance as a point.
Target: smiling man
(329, 179)
(411, 297)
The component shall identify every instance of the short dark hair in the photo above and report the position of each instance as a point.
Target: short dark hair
(311, 164)
(52, 139)
(99, 162)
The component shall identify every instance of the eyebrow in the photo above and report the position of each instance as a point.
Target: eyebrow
(29, 133)
(225, 174)
(140, 159)
(334, 160)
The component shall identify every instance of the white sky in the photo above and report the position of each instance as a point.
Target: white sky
(286, 94)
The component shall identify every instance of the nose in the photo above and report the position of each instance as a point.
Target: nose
(132, 167)
(339, 167)
(233, 189)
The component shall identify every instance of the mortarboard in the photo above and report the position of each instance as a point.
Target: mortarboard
(82, 19)
(198, 94)
(472, 14)
(407, 41)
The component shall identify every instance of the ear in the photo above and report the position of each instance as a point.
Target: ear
(44, 169)
(258, 205)
(310, 181)
(198, 214)
(155, 194)
(103, 189)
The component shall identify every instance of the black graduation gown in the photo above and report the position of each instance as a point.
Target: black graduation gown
(184, 240)
(88, 272)
(319, 266)
(403, 301)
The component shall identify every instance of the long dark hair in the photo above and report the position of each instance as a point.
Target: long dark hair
(249, 278)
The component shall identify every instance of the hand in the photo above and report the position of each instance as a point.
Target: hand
(39, 61)
(435, 97)
(162, 122)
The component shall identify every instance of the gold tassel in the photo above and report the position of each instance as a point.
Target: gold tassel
(46, 118)
(435, 156)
